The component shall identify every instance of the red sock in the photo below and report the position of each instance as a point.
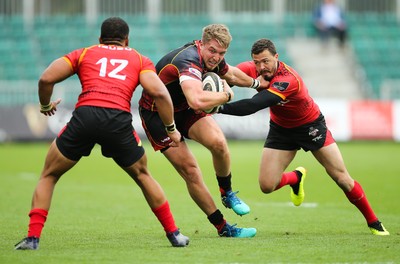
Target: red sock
(165, 217)
(357, 197)
(220, 225)
(288, 178)
(36, 222)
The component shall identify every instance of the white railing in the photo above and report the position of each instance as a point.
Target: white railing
(153, 9)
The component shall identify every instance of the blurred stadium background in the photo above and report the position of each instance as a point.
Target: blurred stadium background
(358, 87)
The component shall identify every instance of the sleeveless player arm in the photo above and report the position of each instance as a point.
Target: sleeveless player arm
(249, 106)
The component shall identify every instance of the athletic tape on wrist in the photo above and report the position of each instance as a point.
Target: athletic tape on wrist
(46, 107)
(256, 84)
(170, 128)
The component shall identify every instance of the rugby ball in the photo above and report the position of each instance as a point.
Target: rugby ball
(212, 83)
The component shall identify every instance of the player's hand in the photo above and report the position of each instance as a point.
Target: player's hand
(50, 109)
(176, 138)
(219, 110)
(264, 84)
(227, 88)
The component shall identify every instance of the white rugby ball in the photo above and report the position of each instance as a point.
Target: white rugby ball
(213, 83)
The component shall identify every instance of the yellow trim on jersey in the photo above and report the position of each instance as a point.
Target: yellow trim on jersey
(68, 61)
(295, 75)
(82, 55)
(278, 94)
(143, 71)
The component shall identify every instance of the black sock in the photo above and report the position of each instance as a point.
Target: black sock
(296, 186)
(224, 183)
(217, 219)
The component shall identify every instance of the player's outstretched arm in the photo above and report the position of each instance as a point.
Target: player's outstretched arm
(237, 77)
(249, 106)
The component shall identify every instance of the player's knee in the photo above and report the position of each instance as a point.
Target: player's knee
(345, 183)
(219, 146)
(342, 178)
(190, 173)
(267, 187)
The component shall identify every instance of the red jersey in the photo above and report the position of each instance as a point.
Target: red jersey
(297, 107)
(108, 74)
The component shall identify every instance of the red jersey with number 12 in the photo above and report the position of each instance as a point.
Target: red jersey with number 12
(297, 107)
(108, 74)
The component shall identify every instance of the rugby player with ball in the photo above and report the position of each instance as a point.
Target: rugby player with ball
(182, 70)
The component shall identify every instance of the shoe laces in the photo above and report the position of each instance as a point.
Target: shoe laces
(231, 229)
(233, 199)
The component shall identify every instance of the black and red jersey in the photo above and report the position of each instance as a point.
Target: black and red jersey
(176, 66)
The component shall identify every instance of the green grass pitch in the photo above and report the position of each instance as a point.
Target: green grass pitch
(99, 215)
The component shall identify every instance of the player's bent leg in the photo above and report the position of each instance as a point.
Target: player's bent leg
(184, 162)
(156, 199)
(151, 189)
(331, 158)
(55, 166)
(186, 165)
(273, 164)
(207, 132)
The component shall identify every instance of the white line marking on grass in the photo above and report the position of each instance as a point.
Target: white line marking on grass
(28, 175)
(288, 204)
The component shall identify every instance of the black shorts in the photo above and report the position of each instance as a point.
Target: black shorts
(311, 136)
(110, 128)
(155, 129)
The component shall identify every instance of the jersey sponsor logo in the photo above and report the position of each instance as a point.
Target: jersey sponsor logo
(165, 139)
(313, 131)
(281, 86)
(317, 138)
(195, 72)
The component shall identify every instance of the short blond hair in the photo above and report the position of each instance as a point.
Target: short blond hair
(219, 32)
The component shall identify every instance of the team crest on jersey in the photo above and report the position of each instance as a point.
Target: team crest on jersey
(281, 86)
